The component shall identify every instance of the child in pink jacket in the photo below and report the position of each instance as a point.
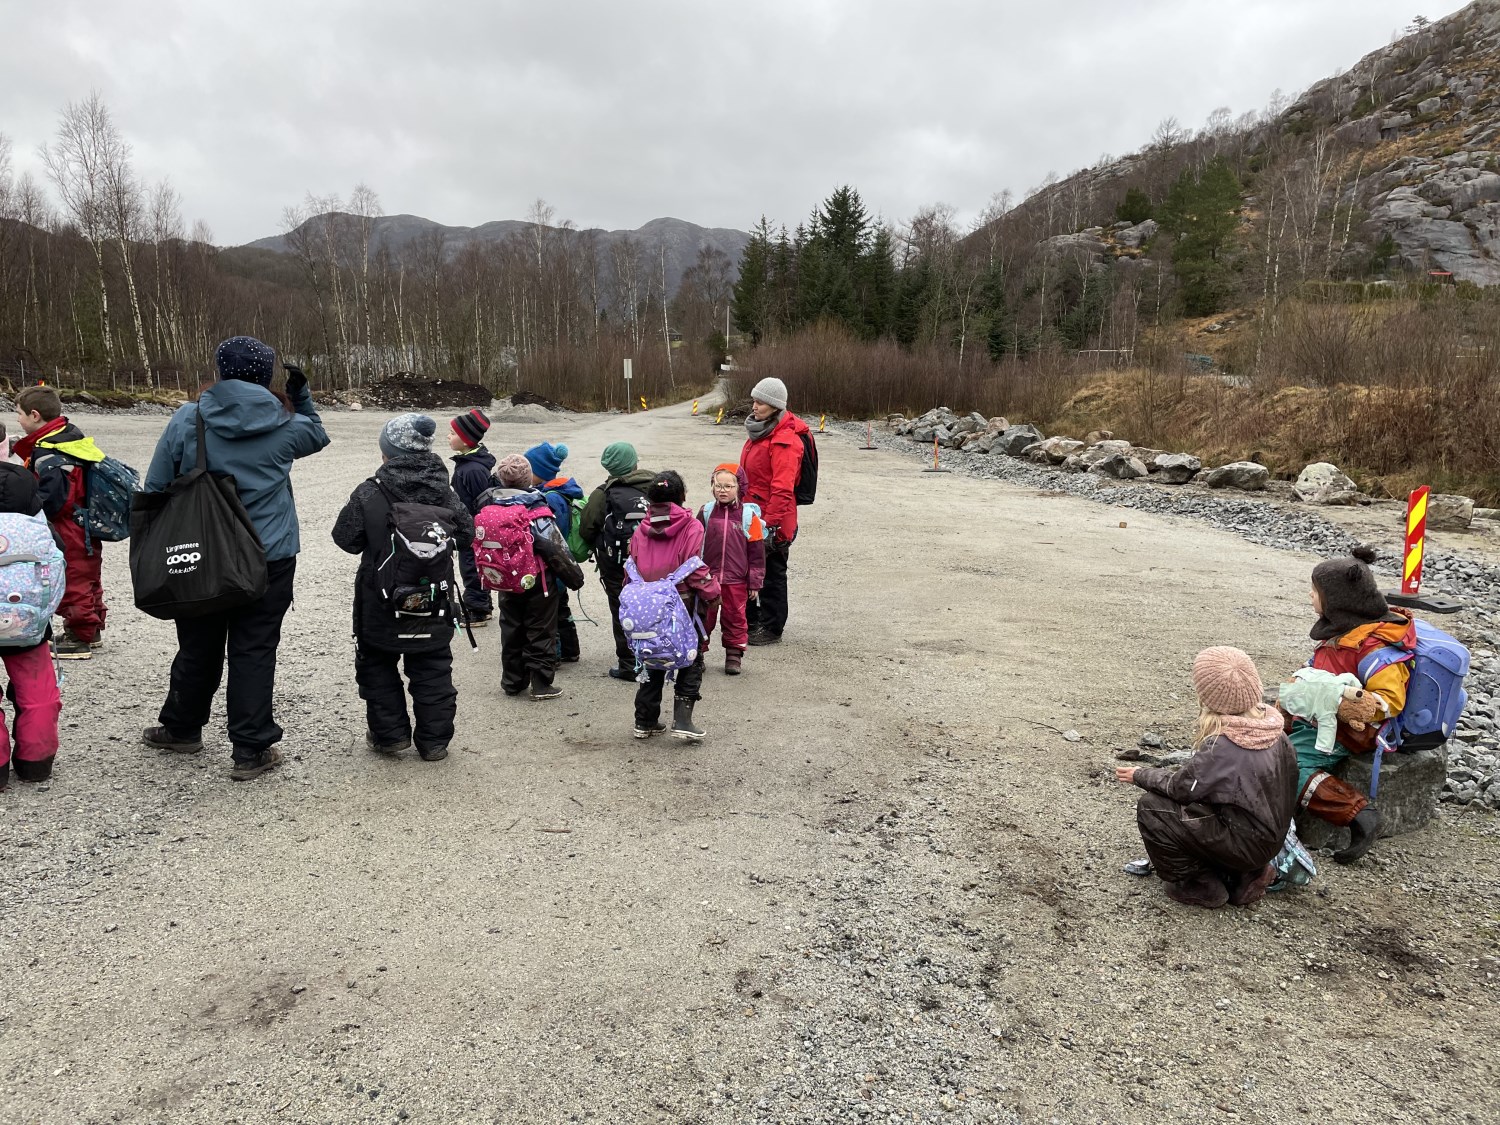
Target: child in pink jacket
(734, 546)
(668, 537)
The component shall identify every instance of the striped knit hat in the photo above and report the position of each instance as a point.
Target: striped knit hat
(471, 427)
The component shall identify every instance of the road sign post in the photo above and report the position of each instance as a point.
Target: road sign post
(628, 377)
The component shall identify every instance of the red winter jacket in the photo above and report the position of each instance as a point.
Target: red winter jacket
(773, 464)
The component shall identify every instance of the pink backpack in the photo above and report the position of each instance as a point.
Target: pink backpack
(504, 551)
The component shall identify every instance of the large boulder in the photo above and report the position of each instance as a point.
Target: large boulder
(1324, 483)
(1059, 449)
(1409, 788)
(1245, 475)
(998, 425)
(1137, 236)
(1177, 468)
(1015, 439)
(983, 443)
(969, 423)
(1120, 466)
(1107, 447)
(923, 432)
(1449, 513)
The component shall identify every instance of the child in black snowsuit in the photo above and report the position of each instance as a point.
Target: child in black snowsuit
(529, 619)
(472, 464)
(410, 474)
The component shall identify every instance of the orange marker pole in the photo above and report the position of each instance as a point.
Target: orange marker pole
(1416, 541)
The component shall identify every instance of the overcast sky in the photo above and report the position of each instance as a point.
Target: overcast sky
(621, 112)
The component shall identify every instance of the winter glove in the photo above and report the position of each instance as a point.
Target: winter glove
(296, 381)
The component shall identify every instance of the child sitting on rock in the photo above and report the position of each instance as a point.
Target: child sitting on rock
(1212, 827)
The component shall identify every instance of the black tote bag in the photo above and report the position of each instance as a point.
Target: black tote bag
(193, 549)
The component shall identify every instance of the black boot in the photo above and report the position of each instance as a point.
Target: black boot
(32, 771)
(1362, 832)
(682, 721)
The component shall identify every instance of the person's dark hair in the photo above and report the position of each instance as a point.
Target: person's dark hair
(42, 400)
(667, 488)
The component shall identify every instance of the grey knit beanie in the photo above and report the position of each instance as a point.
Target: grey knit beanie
(407, 433)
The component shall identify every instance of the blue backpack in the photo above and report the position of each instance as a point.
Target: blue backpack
(1435, 696)
(109, 489)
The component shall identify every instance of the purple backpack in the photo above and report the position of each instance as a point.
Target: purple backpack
(661, 631)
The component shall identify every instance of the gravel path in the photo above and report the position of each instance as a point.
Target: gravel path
(885, 889)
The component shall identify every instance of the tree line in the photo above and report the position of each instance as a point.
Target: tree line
(100, 280)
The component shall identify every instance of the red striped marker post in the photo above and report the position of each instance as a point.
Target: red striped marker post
(1416, 541)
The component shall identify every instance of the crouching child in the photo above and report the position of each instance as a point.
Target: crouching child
(522, 555)
(1213, 827)
(407, 523)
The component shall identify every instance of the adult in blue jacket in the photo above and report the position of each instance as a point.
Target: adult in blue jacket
(254, 435)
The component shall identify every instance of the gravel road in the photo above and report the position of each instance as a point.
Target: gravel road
(885, 889)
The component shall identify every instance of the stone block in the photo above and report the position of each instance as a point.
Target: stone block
(1407, 800)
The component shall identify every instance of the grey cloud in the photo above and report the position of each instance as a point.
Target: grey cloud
(618, 113)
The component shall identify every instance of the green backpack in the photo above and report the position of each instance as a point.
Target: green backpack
(576, 546)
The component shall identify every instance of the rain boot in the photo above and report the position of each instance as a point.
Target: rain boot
(682, 721)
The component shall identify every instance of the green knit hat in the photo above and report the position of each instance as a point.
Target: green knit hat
(619, 458)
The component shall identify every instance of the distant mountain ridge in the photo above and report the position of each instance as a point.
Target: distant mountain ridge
(682, 240)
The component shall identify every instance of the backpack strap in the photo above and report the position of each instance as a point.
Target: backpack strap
(684, 570)
(1378, 660)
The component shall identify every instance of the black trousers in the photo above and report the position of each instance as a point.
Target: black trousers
(567, 630)
(249, 636)
(613, 581)
(476, 597)
(528, 636)
(770, 612)
(434, 699)
(688, 685)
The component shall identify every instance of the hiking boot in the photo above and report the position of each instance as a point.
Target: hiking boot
(682, 721)
(32, 771)
(626, 674)
(479, 621)
(1362, 832)
(1252, 888)
(732, 661)
(433, 753)
(543, 689)
(568, 659)
(1206, 891)
(69, 647)
(5, 776)
(266, 760)
(387, 748)
(759, 636)
(98, 642)
(160, 738)
(646, 730)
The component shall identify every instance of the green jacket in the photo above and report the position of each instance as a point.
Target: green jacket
(594, 511)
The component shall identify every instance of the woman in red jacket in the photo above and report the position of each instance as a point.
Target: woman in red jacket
(772, 460)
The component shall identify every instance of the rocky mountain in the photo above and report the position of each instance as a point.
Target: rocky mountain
(1390, 167)
(404, 234)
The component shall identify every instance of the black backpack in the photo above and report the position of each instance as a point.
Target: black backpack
(415, 576)
(807, 477)
(625, 506)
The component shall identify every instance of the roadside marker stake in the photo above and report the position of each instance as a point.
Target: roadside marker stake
(936, 464)
(869, 436)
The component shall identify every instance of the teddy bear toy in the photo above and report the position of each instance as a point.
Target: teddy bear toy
(1326, 699)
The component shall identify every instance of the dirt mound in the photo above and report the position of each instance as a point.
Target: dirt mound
(407, 390)
(529, 398)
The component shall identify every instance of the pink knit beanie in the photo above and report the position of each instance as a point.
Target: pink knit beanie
(513, 470)
(1226, 681)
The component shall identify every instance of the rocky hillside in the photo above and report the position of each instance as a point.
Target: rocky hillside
(400, 234)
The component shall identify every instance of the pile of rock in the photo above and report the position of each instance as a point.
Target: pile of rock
(1099, 452)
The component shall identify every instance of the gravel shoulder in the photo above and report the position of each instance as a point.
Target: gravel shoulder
(884, 889)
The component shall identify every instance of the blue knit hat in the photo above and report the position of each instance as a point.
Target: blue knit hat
(546, 459)
(245, 357)
(407, 433)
